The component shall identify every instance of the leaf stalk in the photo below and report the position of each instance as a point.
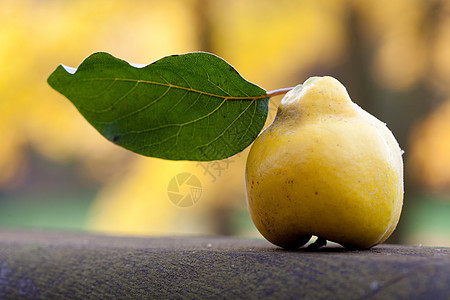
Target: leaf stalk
(279, 92)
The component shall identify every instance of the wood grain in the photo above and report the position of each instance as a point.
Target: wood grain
(60, 265)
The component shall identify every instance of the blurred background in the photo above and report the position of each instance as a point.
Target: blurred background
(57, 172)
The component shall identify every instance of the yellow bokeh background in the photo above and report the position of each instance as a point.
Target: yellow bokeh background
(392, 56)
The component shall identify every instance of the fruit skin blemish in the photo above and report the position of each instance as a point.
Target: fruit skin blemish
(324, 167)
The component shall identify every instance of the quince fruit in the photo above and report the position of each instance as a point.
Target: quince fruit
(324, 167)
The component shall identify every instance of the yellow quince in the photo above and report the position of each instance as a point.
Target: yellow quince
(324, 167)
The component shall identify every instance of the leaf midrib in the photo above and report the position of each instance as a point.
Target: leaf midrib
(180, 87)
(169, 87)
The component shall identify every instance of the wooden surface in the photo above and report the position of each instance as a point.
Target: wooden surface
(80, 266)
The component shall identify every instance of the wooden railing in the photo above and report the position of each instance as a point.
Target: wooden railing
(60, 265)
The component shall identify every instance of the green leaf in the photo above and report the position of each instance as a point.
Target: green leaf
(192, 106)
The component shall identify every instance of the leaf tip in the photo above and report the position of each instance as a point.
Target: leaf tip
(55, 77)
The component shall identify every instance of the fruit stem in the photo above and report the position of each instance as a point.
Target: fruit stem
(279, 92)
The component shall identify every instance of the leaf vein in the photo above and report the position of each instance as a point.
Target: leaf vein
(173, 125)
(139, 110)
(110, 107)
(187, 89)
(223, 132)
